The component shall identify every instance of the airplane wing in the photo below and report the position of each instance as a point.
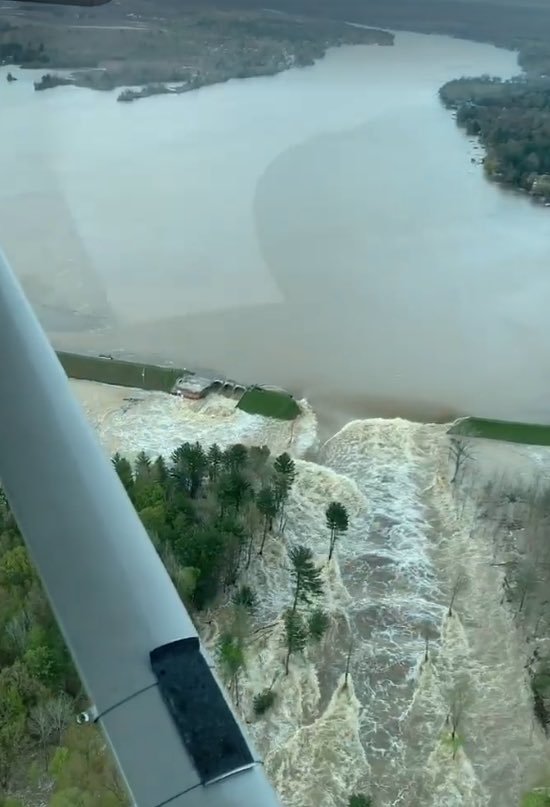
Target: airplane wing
(154, 692)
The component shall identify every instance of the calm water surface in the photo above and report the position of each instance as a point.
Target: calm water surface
(324, 229)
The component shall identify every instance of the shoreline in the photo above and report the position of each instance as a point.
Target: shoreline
(367, 407)
(488, 109)
(218, 46)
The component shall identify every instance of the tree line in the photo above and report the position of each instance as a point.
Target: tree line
(211, 514)
(512, 120)
(41, 748)
(23, 53)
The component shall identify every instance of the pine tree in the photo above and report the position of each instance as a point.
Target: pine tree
(318, 623)
(234, 540)
(215, 457)
(231, 659)
(284, 466)
(295, 635)
(233, 490)
(285, 474)
(305, 575)
(245, 597)
(161, 471)
(264, 701)
(124, 471)
(147, 491)
(189, 467)
(142, 467)
(235, 457)
(359, 800)
(267, 506)
(337, 522)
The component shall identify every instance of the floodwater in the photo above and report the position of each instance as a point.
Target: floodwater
(323, 229)
(412, 536)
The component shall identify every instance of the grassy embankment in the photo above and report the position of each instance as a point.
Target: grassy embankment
(120, 373)
(507, 431)
(537, 798)
(255, 401)
(269, 403)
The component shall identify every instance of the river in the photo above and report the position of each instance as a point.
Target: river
(323, 229)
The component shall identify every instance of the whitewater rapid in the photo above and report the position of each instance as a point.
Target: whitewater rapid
(412, 536)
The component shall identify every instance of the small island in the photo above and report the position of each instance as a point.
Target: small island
(50, 80)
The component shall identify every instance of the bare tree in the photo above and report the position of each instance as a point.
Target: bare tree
(113, 784)
(17, 631)
(458, 586)
(517, 514)
(459, 453)
(348, 662)
(60, 710)
(48, 720)
(454, 719)
(428, 633)
(527, 579)
(542, 616)
(13, 743)
(39, 725)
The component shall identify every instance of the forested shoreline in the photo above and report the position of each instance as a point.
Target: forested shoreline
(169, 51)
(512, 121)
(212, 515)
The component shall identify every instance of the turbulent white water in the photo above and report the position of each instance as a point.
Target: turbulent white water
(132, 420)
(411, 537)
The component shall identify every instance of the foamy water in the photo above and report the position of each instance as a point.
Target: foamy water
(131, 420)
(417, 539)
(411, 536)
(386, 564)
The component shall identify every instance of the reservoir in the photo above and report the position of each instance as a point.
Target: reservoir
(324, 229)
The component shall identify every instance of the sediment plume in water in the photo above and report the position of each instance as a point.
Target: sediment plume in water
(414, 537)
